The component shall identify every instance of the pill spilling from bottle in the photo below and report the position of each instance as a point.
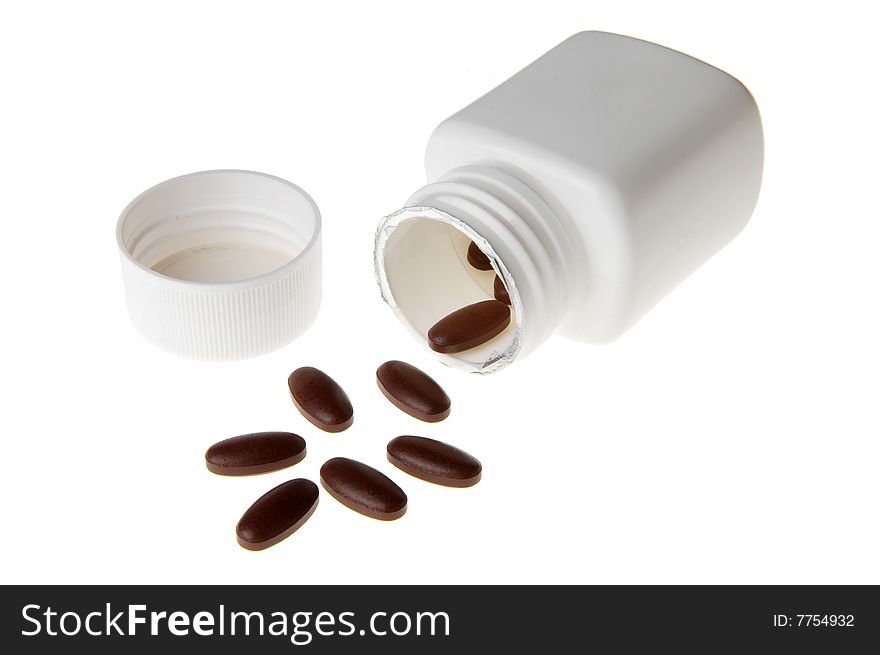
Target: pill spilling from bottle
(413, 391)
(277, 514)
(469, 327)
(363, 489)
(320, 399)
(434, 461)
(285, 508)
(477, 323)
(259, 452)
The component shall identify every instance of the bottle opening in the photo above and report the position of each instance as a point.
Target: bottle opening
(423, 270)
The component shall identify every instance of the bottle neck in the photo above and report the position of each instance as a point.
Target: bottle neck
(423, 272)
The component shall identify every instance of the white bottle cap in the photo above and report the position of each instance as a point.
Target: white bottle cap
(221, 265)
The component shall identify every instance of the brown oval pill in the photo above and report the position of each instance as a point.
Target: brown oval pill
(501, 291)
(413, 391)
(259, 452)
(469, 326)
(320, 399)
(477, 258)
(363, 489)
(434, 461)
(277, 514)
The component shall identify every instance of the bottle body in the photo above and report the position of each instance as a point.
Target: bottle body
(638, 163)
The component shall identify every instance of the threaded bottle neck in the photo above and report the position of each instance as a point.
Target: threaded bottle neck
(422, 269)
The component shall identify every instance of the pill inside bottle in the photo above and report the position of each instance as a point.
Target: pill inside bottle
(433, 268)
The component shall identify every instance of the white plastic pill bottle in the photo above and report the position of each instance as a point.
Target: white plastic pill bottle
(595, 180)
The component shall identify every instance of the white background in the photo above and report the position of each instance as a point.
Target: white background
(731, 436)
